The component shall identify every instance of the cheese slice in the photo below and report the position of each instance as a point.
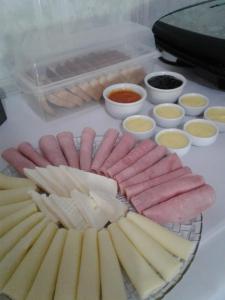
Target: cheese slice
(44, 283)
(73, 175)
(8, 240)
(38, 179)
(6, 210)
(162, 261)
(12, 259)
(112, 285)
(66, 286)
(89, 281)
(141, 274)
(9, 222)
(15, 195)
(10, 182)
(21, 281)
(92, 213)
(169, 240)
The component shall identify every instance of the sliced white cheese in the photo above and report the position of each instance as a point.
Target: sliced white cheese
(169, 240)
(12, 220)
(162, 261)
(68, 274)
(8, 240)
(112, 285)
(73, 175)
(89, 281)
(15, 195)
(10, 182)
(22, 279)
(141, 274)
(38, 179)
(112, 207)
(6, 210)
(92, 213)
(44, 283)
(12, 259)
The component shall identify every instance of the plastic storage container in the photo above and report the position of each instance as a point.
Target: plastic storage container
(62, 71)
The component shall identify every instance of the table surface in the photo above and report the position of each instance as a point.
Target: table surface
(206, 275)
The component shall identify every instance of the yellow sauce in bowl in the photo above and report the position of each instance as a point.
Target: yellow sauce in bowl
(216, 114)
(173, 139)
(168, 112)
(193, 101)
(201, 129)
(138, 124)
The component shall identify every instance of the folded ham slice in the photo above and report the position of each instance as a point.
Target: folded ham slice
(165, 165)
(29, 152)
(67, 145)
(17, 160)
(136, 189)
(184, 207)
(51, 150)
(104, 149)
(143, 163)
(86, 148)
(166, 191)
(126, 143)
(140, 150)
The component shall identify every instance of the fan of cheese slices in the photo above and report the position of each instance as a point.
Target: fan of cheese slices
(81, 259)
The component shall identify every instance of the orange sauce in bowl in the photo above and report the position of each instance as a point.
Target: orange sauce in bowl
(124, 96)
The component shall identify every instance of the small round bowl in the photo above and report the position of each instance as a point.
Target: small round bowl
(220, 125)
(199, 140)
(179, 150)
(194, 110)
(140, 134)
(168, 122)
(123, 110)
(157, 95)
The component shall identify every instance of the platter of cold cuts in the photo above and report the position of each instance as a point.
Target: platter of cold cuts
(118, 216)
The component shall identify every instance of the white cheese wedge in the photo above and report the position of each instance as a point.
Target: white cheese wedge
(12, 220)
(112, 207)
(92, 213)
(66, 286)
(162, 261)
(141, 274)
(6, 210)
(12, 259)
(14, 195)
(10, 182)
(69, 209)
(22, 279)
(9, 240)
(44, 283)
(73, 176)
(112, 285)
(89, 281)
(38, 179)
(173, 243)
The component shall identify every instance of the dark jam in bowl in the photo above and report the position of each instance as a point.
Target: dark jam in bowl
(165, 82)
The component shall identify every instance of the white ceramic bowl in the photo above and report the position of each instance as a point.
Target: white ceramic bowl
(168, 122)
(158, 96)
(193, 110)
(179, 151)
(202, 141)
(140, 135)
(220, 125)
(123, 110)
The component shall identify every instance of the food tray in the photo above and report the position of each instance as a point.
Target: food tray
(190, 231)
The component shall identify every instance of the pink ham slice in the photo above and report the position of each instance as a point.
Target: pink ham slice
(165, 165)
(136, 189)
(51, 150)
(17, 160)
(104, 149)
(86, 148)
(140, 150)
(143, 163)
(67, 145)
(166, 191)
(126, 143)
(184, 207)
(29, 152)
